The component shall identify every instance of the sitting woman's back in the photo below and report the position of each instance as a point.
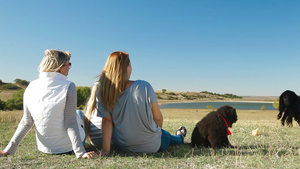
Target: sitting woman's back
(134, 127)
(131, 116)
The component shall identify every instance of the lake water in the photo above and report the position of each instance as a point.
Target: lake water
(216, 105)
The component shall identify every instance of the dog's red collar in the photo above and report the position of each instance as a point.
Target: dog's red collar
(228, 131)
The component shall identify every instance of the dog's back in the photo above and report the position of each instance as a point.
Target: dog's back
(200, 132)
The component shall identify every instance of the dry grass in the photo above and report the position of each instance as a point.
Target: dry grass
(274, 147)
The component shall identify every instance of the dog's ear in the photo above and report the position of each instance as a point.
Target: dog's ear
(233, 115)
(225, 110)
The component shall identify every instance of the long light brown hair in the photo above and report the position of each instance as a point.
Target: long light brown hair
(113, 78)
(112, 82)
(89, 110)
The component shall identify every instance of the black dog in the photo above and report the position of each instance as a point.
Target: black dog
(212, 130)
(289, 104)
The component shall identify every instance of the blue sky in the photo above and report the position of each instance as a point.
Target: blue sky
(243, 47)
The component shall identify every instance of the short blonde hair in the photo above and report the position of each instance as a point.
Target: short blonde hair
(53, 60)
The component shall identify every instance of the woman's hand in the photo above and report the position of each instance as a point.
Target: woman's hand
(103, 153)
(3, 153)
(91, 154)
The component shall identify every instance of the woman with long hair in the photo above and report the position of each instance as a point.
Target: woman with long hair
(131, 118)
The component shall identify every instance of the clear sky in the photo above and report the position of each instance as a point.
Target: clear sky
(243, 47)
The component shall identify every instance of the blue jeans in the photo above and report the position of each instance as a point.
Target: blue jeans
(167, 139)
(81, 128)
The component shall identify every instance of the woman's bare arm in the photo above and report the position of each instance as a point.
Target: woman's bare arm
(157, 116)
(107, 129)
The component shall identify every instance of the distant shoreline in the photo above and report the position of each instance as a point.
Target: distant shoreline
(162, 102)
(238, 104)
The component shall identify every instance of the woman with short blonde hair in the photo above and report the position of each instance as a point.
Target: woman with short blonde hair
(50, 103)
(54, 60)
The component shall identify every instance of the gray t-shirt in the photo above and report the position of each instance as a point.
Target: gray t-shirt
(134, 128)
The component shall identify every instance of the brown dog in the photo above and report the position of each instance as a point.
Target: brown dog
(212, 130)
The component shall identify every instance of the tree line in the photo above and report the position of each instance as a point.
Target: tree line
(16, 103)
(226, 95)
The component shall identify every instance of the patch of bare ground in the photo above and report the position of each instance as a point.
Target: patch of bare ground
(6, 94)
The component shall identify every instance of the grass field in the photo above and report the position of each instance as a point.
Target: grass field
(274, 147)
